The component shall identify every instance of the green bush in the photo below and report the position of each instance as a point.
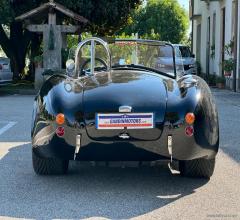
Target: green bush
(221, 79)
(228, 65)
(212, 80)
(38, 59)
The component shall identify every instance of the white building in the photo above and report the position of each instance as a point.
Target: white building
(213, 27)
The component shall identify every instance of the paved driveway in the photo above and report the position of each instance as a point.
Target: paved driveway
(115, 193)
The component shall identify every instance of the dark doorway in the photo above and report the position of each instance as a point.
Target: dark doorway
(208, 47)
(223, 36)
(198, 51)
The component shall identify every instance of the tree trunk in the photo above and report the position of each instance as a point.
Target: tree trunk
(16, 46)
(34, 51)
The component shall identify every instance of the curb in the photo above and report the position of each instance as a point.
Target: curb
(18, 91)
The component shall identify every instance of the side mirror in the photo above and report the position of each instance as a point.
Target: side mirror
(193, 55)
(70, 66)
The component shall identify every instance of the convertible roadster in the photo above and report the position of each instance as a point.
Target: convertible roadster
(114, 103)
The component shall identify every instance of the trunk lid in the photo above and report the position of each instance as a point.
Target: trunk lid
(143, 91)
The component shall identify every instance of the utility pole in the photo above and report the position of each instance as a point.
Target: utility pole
(235, 47)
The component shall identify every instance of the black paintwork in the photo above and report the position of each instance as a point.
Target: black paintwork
(145, 91)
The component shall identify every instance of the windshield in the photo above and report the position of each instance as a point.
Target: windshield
(151, 54)
(142, 54)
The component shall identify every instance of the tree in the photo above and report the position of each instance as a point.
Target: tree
(14, 40)
(165, 18)
(105, 17)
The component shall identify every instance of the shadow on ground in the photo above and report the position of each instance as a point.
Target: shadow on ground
(87, 191)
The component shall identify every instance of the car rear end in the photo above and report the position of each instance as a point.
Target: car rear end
(5, 70)
(188, 59)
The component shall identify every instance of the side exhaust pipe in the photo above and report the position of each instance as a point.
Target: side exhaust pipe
(78, 145)
(170, 151)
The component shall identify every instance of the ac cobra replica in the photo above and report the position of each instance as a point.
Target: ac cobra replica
(114, 103)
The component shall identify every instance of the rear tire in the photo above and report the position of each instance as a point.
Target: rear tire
(49, 166)
(197, 168)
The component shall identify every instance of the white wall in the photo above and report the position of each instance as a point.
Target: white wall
(238, 55)
(207, 10)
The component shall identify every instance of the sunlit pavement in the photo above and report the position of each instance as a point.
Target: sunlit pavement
(89, 192)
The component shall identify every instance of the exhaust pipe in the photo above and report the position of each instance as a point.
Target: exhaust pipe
(78, 146)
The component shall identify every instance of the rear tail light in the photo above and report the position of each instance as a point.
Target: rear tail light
(189, 130)
(60, 131)
(60, 119)
(190, 118)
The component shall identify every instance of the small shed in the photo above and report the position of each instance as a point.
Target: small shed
(44, 20)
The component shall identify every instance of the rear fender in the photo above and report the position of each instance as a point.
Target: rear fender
(59, 94)
(197, 99)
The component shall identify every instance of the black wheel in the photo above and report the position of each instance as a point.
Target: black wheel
(49, 166)
(197, 168)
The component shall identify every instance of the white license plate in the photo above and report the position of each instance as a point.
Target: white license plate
(125, 120)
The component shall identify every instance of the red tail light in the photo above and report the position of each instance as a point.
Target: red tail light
(189, 130)
(60, 131)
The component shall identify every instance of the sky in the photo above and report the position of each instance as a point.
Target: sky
(184, 3)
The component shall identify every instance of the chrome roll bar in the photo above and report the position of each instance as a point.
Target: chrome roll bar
(93, 41)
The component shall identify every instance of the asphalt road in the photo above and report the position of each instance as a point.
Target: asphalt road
(89, 192)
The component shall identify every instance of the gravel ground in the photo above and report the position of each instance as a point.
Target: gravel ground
(89, 192)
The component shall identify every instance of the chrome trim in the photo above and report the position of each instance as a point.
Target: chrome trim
(154, 42)
(106, 47)
(92, 57)
(171, 164)
(92, 40)
(125, 108)
(124, 136)
(78, 145)
(170, 146)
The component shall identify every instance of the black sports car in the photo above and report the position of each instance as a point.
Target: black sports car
(115, 104)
